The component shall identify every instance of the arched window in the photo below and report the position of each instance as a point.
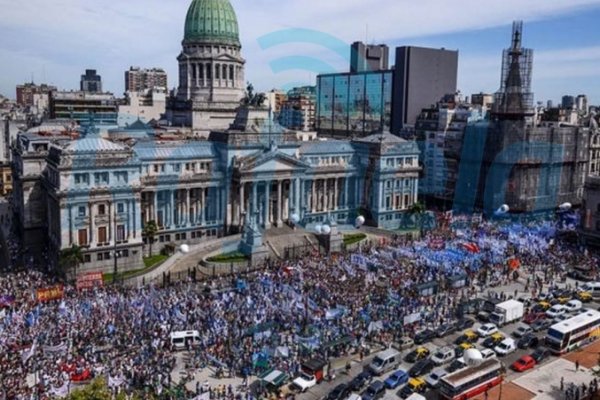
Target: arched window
(201, 71)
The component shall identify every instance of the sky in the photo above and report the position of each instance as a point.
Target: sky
(288, 42)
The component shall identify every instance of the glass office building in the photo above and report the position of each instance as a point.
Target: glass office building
(354, 104)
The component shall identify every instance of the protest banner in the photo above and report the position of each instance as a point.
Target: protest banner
(50, 293)
(89, 280)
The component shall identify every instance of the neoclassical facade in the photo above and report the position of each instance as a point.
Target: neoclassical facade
(100, 194)
(211, 68)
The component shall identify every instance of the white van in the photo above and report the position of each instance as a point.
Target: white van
(592, 288)
(505, 347)
(573, 306)
(180, 340)
(385, 361)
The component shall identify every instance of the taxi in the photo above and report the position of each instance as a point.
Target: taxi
(544, 305)
(414, 385)
(417, 354)
(493, 340)
(468, 336)
(562, 300)
(584, 297)
(461, 348)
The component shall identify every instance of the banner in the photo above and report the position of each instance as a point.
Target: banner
(89, 280)
(50, 293)
(59, 348)
(409, 319)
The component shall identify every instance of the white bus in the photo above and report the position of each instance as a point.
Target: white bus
(574, 332)
(471, 381)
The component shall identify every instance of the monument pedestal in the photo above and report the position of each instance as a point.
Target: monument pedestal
(252, 243)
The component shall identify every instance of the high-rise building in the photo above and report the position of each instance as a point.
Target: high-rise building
(514, 160)
(79, 106)
(138, 79)
(422, 76)
(27, 91)
(581, 103)
(91, 82)
(211, 69)
(354, 104)
(483, 100)
(275, 99)
(568, 102)
(367, 58)
(298, 110)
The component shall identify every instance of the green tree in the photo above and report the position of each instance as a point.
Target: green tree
(418, 210)
(98, 390)
(149, 232)
(70, 258)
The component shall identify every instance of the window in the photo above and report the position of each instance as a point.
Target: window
(81, 211)
(87, 258)
(82, 237)
(125, 253)
(101, 209)
(99, 257)
(156, 168)
(120, 208)
(81, 179)
(121, 176)
(120, 233)
(101, 178)
(102, 238)
(176, 167)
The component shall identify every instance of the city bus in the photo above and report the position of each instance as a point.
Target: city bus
(471, 381)
(574, 332)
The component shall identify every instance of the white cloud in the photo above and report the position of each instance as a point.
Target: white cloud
(63, 36)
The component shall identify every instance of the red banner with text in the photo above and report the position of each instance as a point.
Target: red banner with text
(50, 293)
(89, 280)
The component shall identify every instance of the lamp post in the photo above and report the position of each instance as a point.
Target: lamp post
(116, 254)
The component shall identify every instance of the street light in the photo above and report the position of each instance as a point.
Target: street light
(116, 254)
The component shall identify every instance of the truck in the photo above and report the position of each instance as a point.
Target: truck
(507, 312)
(312, 372)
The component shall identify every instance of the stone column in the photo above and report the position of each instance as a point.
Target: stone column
(279, 203)
(313, 202)
(242, 199)
(267, 201)
(188, 218)
(336, 199)
(155, 206)
(298, 192)
(203, 206)
(254, 204)
(346, 202)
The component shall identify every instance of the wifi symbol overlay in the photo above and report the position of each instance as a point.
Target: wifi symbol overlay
(307, 63)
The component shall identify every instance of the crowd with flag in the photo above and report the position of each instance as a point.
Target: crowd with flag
(273, 317)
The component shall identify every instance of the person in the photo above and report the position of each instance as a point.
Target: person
(562, 383)
(576, 365)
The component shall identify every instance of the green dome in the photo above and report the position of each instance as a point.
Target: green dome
(212, 21)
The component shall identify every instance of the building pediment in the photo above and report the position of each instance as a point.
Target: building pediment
(271, 162)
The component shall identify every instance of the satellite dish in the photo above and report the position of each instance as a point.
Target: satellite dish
(472, 357)
(326, 229)
(318, 229)
(295, 218)
(184, 248)
(565, 206)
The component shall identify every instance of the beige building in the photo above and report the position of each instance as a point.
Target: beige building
(146, 105)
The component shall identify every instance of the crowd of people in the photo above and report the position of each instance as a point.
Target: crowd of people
(273, 317)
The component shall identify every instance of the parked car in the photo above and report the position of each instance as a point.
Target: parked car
(492, 341)
(540, 354)
(573, 306)
(460, 349)
(375, 391)
(487, 354)
(523, 364)
(527, 341)
(487, 329)
(405, 343)
(468, 336)
(580, 275)
(522, 330)
(433, 379)
(304, 381)
(360, 380)
(456, 365)
(541, 325)
(445, 329)
(417, 354)
(464, 323)
(414, 385)
(556, 310)
(583, 296)
(505, 347)
(340, 392)
(424, 336)
(421, 368)
(443, 356)
(396, 379)
(533, 316)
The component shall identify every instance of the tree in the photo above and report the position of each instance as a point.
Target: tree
(149, 232)
(97, 390)
(418, 210)
(70, 259)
